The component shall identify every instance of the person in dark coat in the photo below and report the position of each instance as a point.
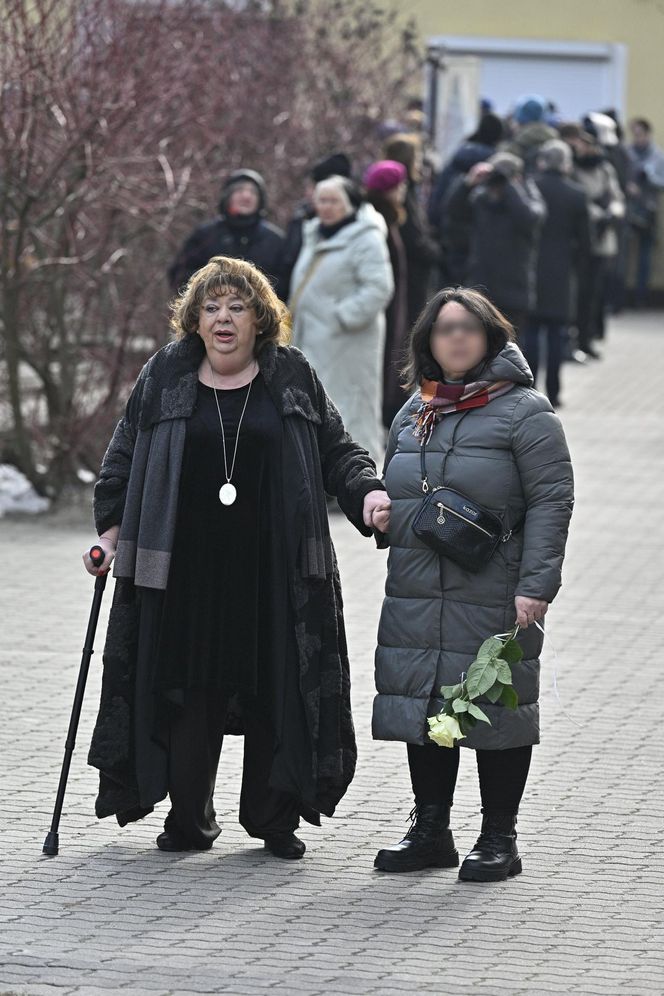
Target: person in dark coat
(505, 212)
(338, 164)
(227, 612)
(606, 205)
(497, 441)
(564, 244)
(386, 184)
(423, 253)
(644, 189)
(477, 148)
(454, 233)
(240, 231)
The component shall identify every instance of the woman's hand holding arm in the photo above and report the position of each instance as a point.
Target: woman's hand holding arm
(376, 511)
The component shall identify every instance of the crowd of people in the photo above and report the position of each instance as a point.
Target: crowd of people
(545, 216)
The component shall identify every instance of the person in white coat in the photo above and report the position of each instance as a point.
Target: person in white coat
(341, 286)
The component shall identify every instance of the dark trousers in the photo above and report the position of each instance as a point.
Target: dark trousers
(591, 306)
(532, 346)
(195, 739)
(503, 775)
(645, 242)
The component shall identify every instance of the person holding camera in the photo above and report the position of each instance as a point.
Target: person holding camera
(505, 211)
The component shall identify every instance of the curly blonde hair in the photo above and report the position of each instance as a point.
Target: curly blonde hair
(221, 275)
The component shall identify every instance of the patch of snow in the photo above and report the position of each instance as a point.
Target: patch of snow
(17, 494)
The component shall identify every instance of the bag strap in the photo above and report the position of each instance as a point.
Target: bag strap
(423, 446)
(425, 480)
(309, 272)
(423, 467)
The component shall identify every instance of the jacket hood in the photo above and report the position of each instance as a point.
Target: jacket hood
(237, 176)
(534, 134)
(510, 364)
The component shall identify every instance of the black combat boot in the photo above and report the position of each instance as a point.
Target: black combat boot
(428, 843)
(494, 857)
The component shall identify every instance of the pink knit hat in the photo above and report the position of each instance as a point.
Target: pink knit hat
(385, 175)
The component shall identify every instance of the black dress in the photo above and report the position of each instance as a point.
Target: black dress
(224, 624)
(226, 601)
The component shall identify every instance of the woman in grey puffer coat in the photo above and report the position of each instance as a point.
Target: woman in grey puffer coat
(500, 443)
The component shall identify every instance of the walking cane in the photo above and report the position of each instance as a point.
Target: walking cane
(51, 843)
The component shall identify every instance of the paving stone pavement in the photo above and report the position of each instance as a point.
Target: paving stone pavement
(114, 914)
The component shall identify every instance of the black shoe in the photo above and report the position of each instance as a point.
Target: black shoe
(593, 353)
(428, 843)
(494, 857)
(171, 840)
(285, 845)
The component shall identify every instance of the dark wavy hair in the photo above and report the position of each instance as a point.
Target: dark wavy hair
(420, 364)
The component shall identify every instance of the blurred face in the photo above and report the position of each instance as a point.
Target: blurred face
(228, 328)
(330, 206)
(458, 341)
(244, 199)
(397, 195)
(640, 136)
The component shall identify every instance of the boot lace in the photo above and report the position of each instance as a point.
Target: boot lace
(495, 842)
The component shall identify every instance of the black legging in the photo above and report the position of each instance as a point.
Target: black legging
(503, 774)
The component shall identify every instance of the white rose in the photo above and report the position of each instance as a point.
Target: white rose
(444, 730)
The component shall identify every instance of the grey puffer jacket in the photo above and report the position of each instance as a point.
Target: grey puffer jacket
(511, 456)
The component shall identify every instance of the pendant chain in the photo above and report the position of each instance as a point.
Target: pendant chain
(221, 423)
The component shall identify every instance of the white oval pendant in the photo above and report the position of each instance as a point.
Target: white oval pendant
(227, 493)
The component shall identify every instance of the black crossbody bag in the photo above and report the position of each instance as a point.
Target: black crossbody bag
(456, 526)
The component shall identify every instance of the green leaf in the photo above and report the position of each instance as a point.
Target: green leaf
(447, 709)
(481, 676)
(490, 649)
(466, 723)
(451, 691)
(460, 705)
(509, 697)
(495, 692)
(475, 711)
(511, 652)
(504, 672)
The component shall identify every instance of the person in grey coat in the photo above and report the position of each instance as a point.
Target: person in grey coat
(500, 444)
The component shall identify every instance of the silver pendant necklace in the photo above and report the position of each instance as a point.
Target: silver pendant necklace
(228, 491)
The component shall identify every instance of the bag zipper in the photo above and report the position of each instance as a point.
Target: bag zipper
(462, 517)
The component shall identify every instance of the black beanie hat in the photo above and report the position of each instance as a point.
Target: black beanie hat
(338, 164)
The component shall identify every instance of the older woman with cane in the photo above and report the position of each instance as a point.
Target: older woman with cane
(474, 424)
(227, 613)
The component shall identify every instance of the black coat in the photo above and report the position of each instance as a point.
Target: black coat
(293, 243)
(318, 458)
(259, 242)
(564, 245)
(504, 233)
(422, 254)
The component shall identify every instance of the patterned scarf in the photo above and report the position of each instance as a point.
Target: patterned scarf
(442, 399)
